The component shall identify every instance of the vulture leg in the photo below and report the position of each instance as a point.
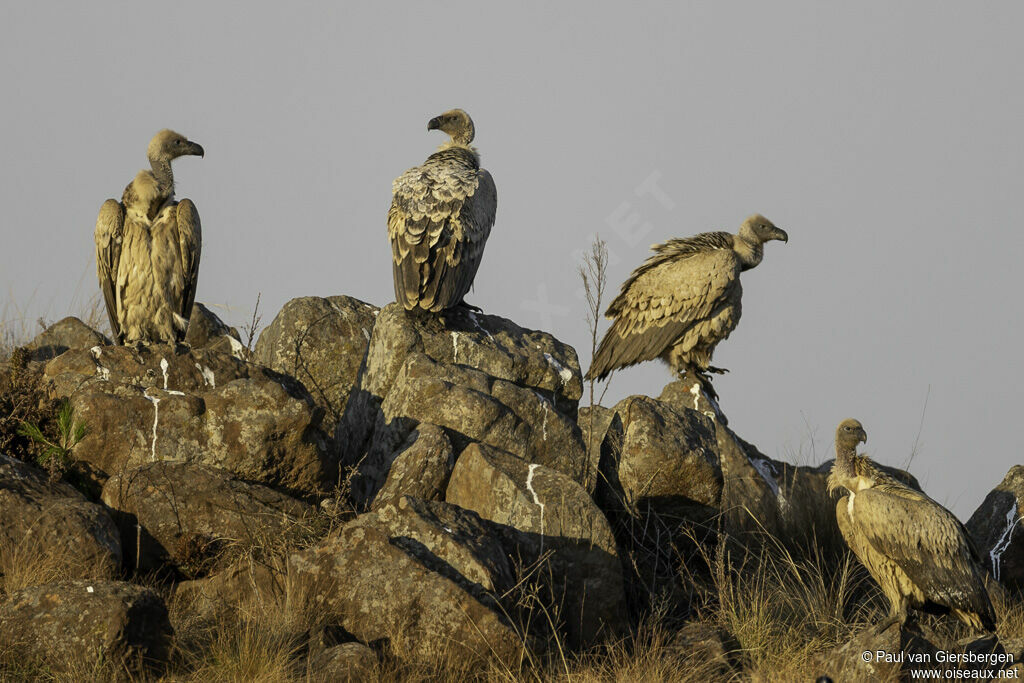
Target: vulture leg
(469, 307)
(717, 371)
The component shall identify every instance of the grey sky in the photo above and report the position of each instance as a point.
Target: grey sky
(885, 137)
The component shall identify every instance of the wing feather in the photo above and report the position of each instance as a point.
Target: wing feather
(440, 217)
(928, 543)
(190, 241)
(665, 298)
(109, 236)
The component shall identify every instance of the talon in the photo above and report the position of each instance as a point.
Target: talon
(717, 371)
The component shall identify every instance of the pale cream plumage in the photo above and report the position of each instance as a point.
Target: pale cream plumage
(683, 300)
(147, 250)
(917, 551)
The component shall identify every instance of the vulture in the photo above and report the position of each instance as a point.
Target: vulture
(147, 250)
(682, 301)
(441, 214)
(917, 551)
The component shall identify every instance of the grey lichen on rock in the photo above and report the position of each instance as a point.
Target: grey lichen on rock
(321, 342)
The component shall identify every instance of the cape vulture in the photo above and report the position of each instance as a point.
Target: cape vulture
(147, 250)
(917, 551)
(441, 214)
(682, 301)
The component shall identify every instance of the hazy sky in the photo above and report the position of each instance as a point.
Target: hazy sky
(885, 137)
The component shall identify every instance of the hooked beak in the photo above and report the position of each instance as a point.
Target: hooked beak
(779, 234)
(863, 436)
(195, 149)
(434, 123)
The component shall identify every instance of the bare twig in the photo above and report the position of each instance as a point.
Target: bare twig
(594, 273)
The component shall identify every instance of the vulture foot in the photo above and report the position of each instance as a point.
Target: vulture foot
(717, 371)
(469, 307)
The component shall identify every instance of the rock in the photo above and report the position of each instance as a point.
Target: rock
(53, 528)
(750, 490)
(93, 622)
(690, 394)
(702, 645)
(594, 439)
(158, 402)
(421, 469)
(183, 507)
(556, 515)
(321, 342)
(345, 663)
(244, 584)
(396, 576)
(846, 663)
(481, 378)
(995, 529)
(205, 329)
(69, 333)
(663, 461)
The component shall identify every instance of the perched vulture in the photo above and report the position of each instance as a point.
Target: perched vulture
(441, 214)
(917, 551)
(683, 300)
(147, 250)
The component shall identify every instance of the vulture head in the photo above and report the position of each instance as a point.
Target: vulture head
(167, 145)
(456, 123)
(849, 434)
(759, 229)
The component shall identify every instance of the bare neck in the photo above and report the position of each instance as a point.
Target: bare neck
(162, 173)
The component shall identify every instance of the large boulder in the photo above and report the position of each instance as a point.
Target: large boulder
(420, 469)
(51, 529)
(159, 402)
(481, 378)
(321, 342)
(65, 334)
(421, 576)
(660, 460)
(180, 507)
(86, 622)
(560, 527)
(995, 529)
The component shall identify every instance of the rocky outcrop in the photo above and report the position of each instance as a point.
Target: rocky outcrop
(65, 334)
(53, 525)
(158, 402)
(421, 469)
(995, 529)
(242, 586)
(421, 576)
(480, 378)
(87, 622)
(561, 528)
(321, 342)
(179, 508)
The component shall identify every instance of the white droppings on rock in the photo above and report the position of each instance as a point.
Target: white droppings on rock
(544, 421)
(96, 352)
(163, 368)
(695, 390)
(764, 468)
(455, 347)
(237, 350)
(89, 589)
(155, 400)
(172, 392)
(536, 499)
(366, 333)
(104, 373)
(472, 316)
(996, 554)
(564, 373)
(208, 377)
